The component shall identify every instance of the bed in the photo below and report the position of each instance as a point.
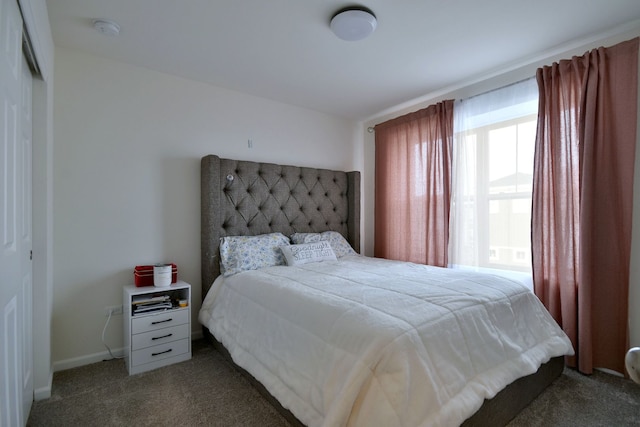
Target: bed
(335, 342)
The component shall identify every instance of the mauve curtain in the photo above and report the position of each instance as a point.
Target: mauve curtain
(582, 199)
(413, 185)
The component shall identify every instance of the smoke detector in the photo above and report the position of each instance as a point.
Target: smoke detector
(108, 28)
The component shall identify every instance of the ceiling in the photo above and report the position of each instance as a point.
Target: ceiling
(284, 50)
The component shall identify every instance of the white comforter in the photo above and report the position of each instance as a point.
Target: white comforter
(371, 342)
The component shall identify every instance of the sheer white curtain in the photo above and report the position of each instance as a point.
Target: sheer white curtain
(494, 137)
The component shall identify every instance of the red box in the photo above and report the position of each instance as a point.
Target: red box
(143, 275)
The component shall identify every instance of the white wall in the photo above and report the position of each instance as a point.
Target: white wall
(514, 73)
(127, 180)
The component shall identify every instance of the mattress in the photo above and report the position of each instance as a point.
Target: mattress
(364, 341)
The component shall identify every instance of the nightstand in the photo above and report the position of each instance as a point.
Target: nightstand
(157, 329)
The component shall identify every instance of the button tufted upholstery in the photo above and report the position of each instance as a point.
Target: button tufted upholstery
(251, 198)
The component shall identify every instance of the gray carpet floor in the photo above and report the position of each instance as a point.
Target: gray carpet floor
(208, 391)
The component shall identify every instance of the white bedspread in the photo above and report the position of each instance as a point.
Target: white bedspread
(371, 342)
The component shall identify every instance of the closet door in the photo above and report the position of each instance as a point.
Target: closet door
(26, 236)
(16, 379)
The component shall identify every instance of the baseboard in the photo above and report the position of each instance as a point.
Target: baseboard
(76, 362)
(197, 334)
(610, 372)
(42, 393)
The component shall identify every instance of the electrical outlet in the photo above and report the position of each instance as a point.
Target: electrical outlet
(113, 310)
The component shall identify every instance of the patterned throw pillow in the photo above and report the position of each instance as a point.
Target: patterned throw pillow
(308, 252)
(240, 253)
(338, 243)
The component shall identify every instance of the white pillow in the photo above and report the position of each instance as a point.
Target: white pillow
(338, 243)
(308, 252)
(239, 253)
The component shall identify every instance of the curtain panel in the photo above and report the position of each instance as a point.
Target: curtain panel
(582, 199)
(481, 159)
(413, 185)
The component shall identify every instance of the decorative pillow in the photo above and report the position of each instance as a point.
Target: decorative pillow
(239, 253)
(337, 241)
(308, 252)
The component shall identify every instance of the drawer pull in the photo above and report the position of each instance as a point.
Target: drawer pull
(161, 321)
(159, 338)
(162, 352)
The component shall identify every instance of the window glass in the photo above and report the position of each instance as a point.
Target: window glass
(493, 179)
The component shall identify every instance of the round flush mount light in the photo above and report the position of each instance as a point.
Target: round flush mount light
(105, 27)
(353, 23)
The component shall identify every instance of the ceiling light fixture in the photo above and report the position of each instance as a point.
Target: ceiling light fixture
(105, 27)
(353, 23)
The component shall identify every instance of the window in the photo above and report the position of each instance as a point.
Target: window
(492, 179)
(506, 183)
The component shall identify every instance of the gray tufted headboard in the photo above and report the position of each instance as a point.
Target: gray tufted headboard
(250, 198)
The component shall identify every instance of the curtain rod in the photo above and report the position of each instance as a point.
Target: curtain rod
(372, 129)
(498, 88)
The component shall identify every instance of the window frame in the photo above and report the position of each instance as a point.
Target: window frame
(485, 197)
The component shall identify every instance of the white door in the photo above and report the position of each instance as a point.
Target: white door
(16, 378)
(25, 228)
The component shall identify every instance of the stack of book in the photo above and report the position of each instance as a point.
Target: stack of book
(144, 304)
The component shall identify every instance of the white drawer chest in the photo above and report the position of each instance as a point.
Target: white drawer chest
(156, 338)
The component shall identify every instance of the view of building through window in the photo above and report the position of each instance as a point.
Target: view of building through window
(509, 148)
(492, 179)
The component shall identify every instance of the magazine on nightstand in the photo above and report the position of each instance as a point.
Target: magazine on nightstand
(143, 304)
